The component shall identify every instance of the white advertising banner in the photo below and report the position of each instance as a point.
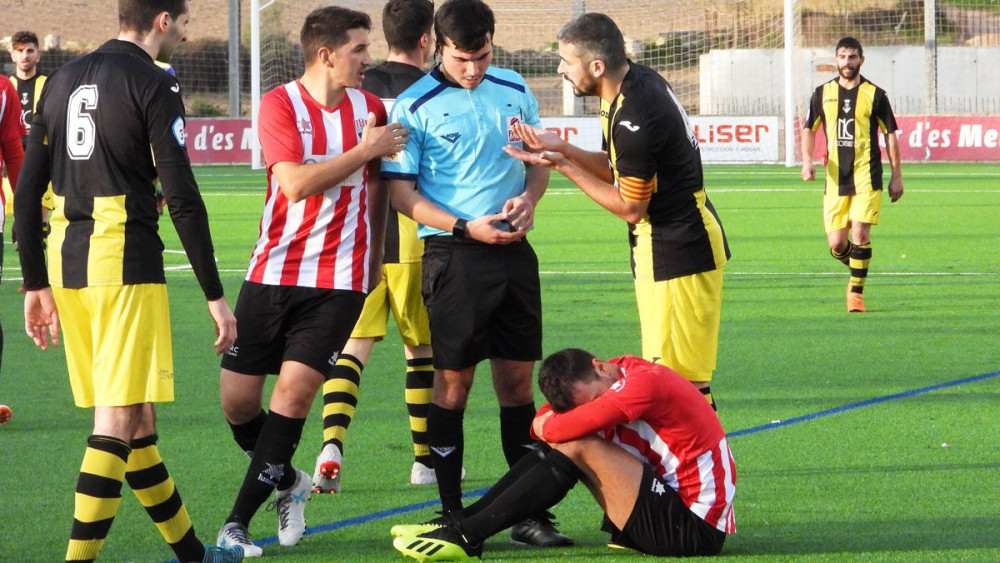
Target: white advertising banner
(720, 138)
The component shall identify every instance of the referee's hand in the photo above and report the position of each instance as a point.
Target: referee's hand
(225, 324)
(485, 229)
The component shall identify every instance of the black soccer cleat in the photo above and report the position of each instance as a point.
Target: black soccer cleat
(539, 531)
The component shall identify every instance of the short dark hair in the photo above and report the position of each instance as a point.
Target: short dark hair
(597, 37)
(468, 23)
(405, 21)
(850, 43)
(138, 15)
(24, 38)
(328, 27)
(560, 371)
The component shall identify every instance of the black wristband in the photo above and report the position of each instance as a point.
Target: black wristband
(459, 230)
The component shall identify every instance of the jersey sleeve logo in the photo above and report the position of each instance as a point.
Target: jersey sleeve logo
(628, 125)
(178, 130)
(176, 88)
(619, 385)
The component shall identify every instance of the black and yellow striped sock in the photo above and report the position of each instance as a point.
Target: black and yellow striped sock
(845, 256)
(861, 257)
(419, 384)
(707, 392)
(340, 399)
(148, 477)
(98, 496)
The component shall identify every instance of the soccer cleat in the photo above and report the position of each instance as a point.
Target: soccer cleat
(424, 475)
(539, 531)
(855, 302)
(235, 534)
(403, 530)
(443, 544)
(326, 478)
(213, 554)
(291, 505)
(5, 414)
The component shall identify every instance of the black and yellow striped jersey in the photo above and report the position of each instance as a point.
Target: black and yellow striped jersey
(851, 121)
(654, 155)
(93, 128)
(388, 80)
(28, 91)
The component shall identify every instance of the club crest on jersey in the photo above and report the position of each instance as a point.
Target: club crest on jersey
(359, 126)
(305, 126)
(847, 105)
(451, 137)
(24, 98)
(512, 120)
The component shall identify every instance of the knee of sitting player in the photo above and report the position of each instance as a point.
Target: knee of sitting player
(577, 449)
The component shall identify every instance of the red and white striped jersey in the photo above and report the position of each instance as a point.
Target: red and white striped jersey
(322, 241)
(663, 420)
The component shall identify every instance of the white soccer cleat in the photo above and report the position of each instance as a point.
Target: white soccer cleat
(326, 478)
(420, 474)
(291, 506)
(233, 534)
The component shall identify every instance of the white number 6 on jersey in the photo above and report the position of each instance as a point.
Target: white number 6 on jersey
(81, 130)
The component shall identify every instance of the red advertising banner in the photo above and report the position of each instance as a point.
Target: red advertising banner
(941, 138)
(219, 141)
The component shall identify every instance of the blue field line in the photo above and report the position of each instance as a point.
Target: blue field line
(363, 519)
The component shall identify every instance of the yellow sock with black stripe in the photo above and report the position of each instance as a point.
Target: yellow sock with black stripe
(707, 392)
(98, 496)
(419, 384)
(148, 477)
(340, 399)
(845, 256)
(861, 257)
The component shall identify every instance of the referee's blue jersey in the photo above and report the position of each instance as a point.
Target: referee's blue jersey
(455, 152)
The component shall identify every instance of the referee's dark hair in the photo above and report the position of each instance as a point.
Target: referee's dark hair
(405, 21)
(597, 37)
(560, 371)
(466, 22)
(328, 27)
(138, 15)
(850, 43)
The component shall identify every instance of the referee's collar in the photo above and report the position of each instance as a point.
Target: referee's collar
(440, 77)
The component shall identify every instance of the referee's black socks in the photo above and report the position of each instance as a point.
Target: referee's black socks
(515, 432)
(445, 435)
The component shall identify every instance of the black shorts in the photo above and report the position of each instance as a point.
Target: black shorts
(660, 524)
(275, 324)
(483, 301)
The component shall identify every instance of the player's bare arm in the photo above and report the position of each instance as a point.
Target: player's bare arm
(544, 140)
(408, 201)
(808, 145)
(299, 181)
(896, 180)
(605, 194)
(41, 318)
(225, 324)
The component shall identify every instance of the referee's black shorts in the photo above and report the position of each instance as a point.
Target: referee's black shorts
(275, 324)
(483, 300)
(660, 524)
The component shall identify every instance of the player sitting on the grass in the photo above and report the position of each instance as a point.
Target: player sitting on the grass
(642, 439)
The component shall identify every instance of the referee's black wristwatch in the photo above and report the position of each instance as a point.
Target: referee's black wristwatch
(460, 230)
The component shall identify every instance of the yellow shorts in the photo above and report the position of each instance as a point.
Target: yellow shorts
(839, 211)
(117, 342)
(399, 291)
(679, 319)
(47, 201)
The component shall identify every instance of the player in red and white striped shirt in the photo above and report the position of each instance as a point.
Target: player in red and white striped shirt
(318, 253)
(643, 440)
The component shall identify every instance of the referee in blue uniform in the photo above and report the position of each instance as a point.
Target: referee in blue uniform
(475, 205)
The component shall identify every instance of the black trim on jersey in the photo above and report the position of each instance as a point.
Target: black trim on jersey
(507, 83)
(427, 97)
